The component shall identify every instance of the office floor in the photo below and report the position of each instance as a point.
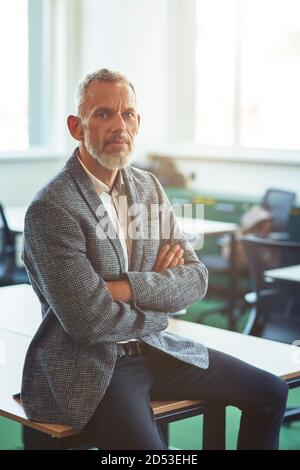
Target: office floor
(186, 434)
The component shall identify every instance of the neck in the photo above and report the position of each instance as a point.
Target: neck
(103, 174)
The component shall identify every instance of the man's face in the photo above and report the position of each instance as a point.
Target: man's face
(110, 123)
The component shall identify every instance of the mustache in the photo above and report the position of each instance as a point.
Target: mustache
(118, 137)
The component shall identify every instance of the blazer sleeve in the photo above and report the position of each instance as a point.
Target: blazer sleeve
(175, 288)
(55, 257)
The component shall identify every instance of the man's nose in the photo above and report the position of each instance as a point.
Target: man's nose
(118, 123)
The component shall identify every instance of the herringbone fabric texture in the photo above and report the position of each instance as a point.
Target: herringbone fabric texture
(71, 358)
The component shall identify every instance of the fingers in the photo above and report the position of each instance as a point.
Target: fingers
(169, 257)
(176, 259)
(161, 254)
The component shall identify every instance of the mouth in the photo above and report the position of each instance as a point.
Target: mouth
(117, 143)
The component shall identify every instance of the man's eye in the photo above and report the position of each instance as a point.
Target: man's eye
(129, 115)
(102, 114)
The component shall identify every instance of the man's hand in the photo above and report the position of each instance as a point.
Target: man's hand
(120, 290)
(169, 257)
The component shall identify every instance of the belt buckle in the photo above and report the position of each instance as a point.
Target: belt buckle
(139, 348)
(123, 353)
(131, 349)
(126, 347)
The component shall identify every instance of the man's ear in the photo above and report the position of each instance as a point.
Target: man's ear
(75, 127)
(139, 122)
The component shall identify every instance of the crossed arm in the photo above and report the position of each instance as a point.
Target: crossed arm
(55, 256)
(165, 289)
(168, 257)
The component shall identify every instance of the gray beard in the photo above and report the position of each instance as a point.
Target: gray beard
(111, 161)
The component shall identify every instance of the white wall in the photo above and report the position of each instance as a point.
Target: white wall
(240, 179)
(131, 36)
(147, 40)
(23, 174)
(151, 41)
(127, 35)
(19, 181)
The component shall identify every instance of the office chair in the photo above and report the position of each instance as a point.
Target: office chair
(276, 312)
(10, 274)
(279, 203)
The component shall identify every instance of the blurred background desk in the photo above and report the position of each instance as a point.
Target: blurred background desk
(196, 230)
(288, 273)
(15, 218)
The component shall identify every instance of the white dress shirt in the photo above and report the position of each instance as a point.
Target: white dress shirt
(117, 213)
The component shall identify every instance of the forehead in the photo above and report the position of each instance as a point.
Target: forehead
(100, 93)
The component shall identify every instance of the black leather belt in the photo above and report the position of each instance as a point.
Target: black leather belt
(132, 348)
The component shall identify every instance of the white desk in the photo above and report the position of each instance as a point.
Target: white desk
(20, 314)
(20, 317)
(16, 215)
(280, 359)
(20, 310)
(15, 218)
(210, 228)
(289, 273)
(13, 349)
(196, 230)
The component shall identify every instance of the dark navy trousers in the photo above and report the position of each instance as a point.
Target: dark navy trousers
(124, 419)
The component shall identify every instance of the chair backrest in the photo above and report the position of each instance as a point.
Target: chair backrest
(6, 248)
(3, 231)
(280, 204)
(278, 302)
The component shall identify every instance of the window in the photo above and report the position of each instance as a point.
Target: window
(14, 83)
(21, 79)
(248, 73)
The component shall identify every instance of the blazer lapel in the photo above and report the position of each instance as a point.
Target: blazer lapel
(91, 197)
(136, 219)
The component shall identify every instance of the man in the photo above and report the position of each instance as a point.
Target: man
(106, 284)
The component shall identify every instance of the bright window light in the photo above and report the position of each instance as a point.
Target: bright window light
(215, 72)
(14, 81)
(248, 73)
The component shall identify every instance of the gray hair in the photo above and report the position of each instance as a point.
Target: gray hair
(101, 75)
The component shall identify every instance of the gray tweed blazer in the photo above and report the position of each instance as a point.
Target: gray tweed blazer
(71, 358)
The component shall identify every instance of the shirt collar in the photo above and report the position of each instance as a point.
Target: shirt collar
(102, 187)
